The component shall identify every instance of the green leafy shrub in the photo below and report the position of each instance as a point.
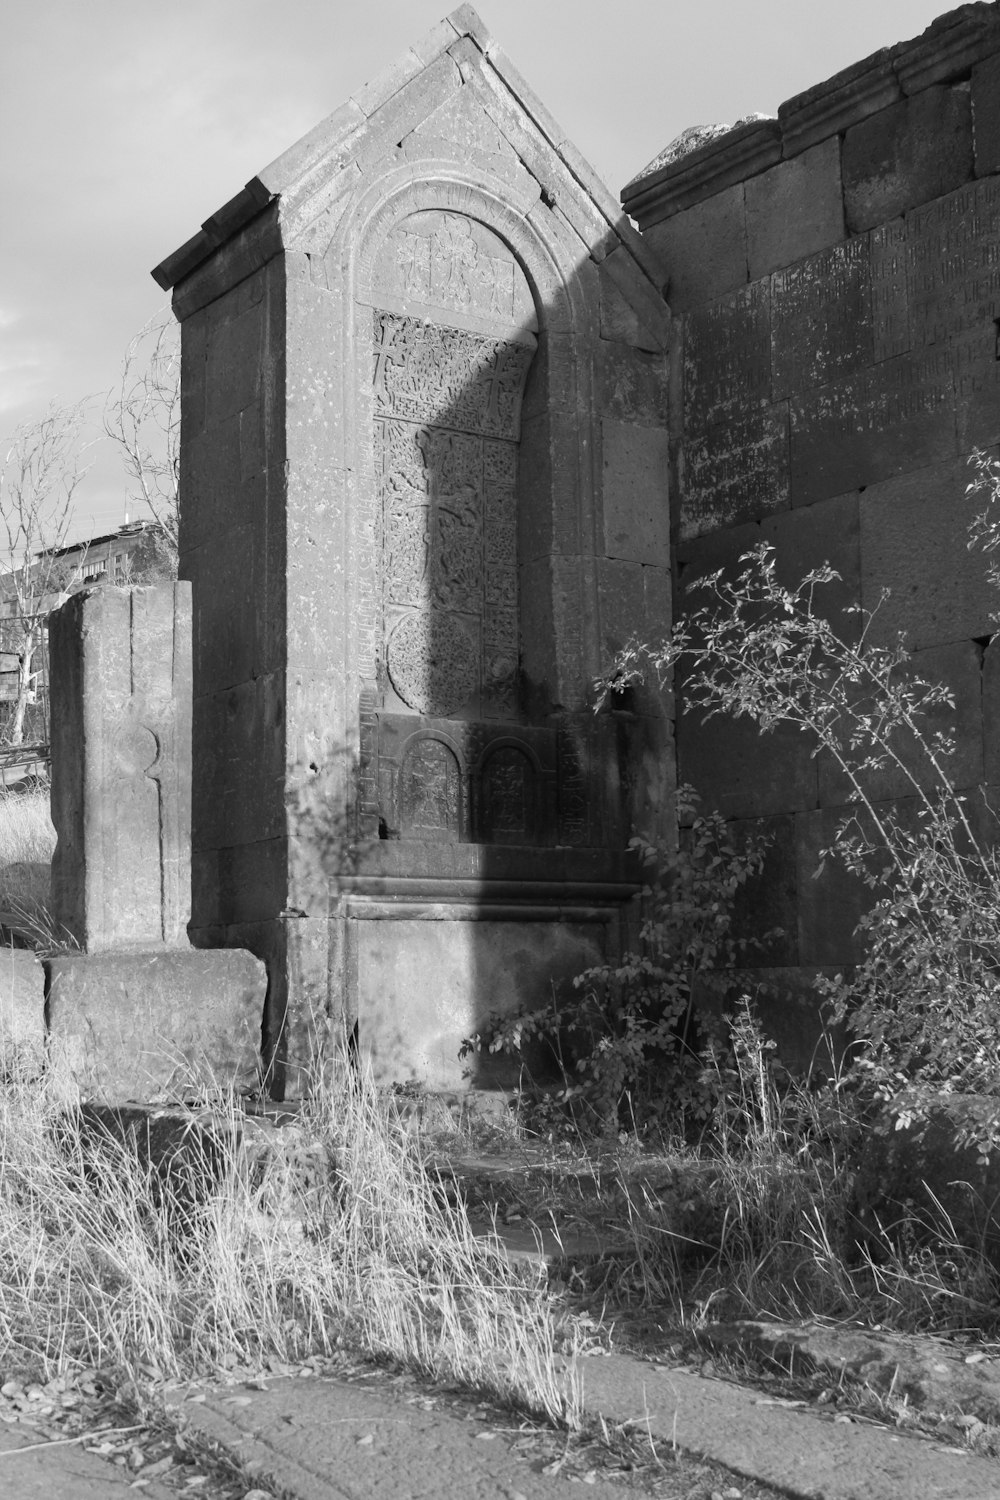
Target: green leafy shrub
(923, 1003)
(628, 1040)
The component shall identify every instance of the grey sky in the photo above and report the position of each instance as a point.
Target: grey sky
(124, 123)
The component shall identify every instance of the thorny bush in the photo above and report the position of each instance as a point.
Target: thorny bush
(628, 1043)
(924, 1002)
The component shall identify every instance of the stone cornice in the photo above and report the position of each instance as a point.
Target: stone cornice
(943, 53)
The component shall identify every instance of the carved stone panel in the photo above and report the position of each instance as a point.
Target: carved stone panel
(430, 791)
(507, 789)
(437, 262)
(447, 418)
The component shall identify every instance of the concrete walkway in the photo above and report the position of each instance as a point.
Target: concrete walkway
(329, 1439)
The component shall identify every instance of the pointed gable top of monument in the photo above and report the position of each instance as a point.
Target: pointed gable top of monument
(457, 51)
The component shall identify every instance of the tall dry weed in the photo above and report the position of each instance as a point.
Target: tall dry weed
(246, 1252)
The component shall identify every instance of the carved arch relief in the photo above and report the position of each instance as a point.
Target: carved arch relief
(452, 341)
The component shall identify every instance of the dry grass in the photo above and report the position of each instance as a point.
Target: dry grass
(760, 1222)
(345, 1242)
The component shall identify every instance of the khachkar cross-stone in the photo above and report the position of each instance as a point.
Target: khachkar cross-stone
(447, 410)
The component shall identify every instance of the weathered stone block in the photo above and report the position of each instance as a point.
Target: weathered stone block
(805, 539)
(986, 115)
(957, 667)
(832, 106)
(739, 770)
(882, 421)
(727, 357)
(977, 389)
(916, 150)
(736, 471)
(234, 359)
(635, 489)
(424, 986)
(632, 386)
(151, 1024)
(704, 249)
(914, 544)
(121, 749)
(991, 715)
(831, 900)
(765, 915)
(952, 275)
(22, 1011)
(821, 318)
(794, 209)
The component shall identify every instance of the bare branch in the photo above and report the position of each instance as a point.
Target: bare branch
(142, 416)
(43, 465)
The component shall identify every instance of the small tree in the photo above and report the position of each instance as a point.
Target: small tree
(42, 467)
(143, 417)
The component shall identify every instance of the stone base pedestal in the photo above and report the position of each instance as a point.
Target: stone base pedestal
(154, 1024)
(22, 1011)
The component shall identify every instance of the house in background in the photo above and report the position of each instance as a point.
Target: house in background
(132, 554)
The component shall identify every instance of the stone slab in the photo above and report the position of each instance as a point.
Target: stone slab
(764, 909)
(948, 47)
(882, 421)
(831, 107)
(726, 159)
(632, 386)
(636, 492)
(986, 116)
(916, 150)
(991, 714)
(22, 1010)
(952, 272)
(736, 471)
(155, 1024)
(957, 667)
(744, 773)
(703, 249)
(288, 1436)
(821, 318)
(808, 537)
(121, 765)
(425, 984)
(831, 900)
(727, 357)
(914, 543)
(889, 290)
(794, 209)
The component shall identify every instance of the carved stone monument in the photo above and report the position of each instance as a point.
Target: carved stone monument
(136, 1014)
(424, 499)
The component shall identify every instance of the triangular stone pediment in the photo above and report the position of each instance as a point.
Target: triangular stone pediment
(454, 99)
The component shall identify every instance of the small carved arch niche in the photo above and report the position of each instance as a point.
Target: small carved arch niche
(508, 797)
(431, 803)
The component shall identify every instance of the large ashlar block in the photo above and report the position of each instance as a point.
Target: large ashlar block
(22, 1010)
(155, 1024)
(121, 754)
(794, 209)
(906, 155)
(424, 986)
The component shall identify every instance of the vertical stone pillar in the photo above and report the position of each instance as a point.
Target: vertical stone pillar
(138, 1014)
(121, 766)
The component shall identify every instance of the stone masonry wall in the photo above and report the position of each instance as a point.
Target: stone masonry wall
(837, 279)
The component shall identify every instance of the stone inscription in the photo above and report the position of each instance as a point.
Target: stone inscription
(738, 471)
(447, 416)
(953, 263)
(449, 263)
(727, 357)
(890, 310)
(895, 416)
(821, 318)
